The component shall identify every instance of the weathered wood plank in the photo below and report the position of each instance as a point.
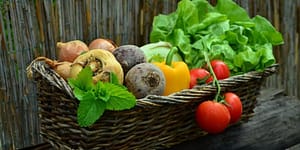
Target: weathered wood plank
(275, 125)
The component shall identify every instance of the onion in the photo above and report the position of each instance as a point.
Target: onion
(69, 51)
(101, 43)
(61, 68)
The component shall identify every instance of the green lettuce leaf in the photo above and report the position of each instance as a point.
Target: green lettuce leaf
(163, 25)
(224, 31)
(267, 31)
(232, 10)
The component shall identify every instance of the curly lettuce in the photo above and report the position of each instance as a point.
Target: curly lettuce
(225, 31)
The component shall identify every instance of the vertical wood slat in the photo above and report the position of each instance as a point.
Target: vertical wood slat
(32, 29)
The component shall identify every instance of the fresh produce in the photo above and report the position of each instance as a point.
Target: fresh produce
(145, 79)
(129, 56)
(225, 31)
(101, 43)
(61, 68)
(220, 69)
(94, 99)
(199, 76)
(102, 63)
(157, 52)
(69, 51)
(213, 117)
(234, 105)
(176, 73)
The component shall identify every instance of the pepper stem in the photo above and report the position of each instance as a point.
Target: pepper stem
(215, 81)
(170, 55)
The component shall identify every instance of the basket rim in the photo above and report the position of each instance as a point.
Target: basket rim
(183, 96)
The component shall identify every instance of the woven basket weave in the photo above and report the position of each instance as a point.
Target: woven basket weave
(155, 122)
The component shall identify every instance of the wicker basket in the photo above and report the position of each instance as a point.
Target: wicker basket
(155, 122)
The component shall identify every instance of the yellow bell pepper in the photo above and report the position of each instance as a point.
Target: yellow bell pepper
(176, 73)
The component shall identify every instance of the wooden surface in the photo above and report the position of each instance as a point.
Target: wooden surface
(275, 125)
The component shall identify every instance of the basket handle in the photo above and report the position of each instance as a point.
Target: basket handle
(40, 67)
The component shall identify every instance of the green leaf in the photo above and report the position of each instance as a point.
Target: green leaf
(232, 10)
(162, 26)
(95, 99)
(102, 92)
(203, 7)
(113, 78)
(224, 31)
(264, 27)
(247, 60)
(236, 35)
(82, 95)
(182, 41)
(266, 53)
(89, 111)
(187, 14)
(120, 98)
(210, 19)
(83, 81)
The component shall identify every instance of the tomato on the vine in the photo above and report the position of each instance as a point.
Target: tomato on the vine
(220, 69)
(213, 117)
(234, 105)
(198, 75)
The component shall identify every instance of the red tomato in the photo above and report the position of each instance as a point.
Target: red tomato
(212, 117)
(210, 79)
(197, 75)
(234, 105)
(220, 69)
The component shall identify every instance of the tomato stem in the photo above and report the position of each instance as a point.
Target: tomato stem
(215, 80)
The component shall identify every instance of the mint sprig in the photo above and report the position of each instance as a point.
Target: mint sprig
(94, 99)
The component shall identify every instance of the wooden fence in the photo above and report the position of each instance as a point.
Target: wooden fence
(31, 28)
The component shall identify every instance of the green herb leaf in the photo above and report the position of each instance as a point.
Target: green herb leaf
(113, 78)
(95, 99)
(102, 92)
(89, 111)
(120, 98)
(83, 81)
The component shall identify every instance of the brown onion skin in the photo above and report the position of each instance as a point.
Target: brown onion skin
(101, 43)
(69, 51)
(63, 69)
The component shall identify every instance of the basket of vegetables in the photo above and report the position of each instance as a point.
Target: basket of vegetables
(200, 73)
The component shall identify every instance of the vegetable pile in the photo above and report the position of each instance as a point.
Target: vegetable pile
(197, 44)
(224, 31)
